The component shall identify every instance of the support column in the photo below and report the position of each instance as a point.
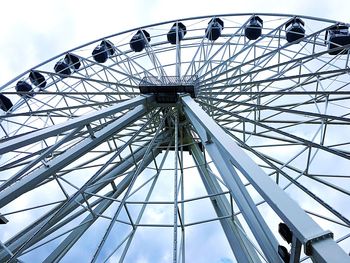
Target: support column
(240, 244)
(226, 153)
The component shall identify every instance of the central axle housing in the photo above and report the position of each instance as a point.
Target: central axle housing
(167, 88)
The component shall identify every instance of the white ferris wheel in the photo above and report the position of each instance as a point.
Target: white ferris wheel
(195, 140)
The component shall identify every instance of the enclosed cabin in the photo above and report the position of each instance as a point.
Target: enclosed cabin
(254, 27)
(73, 61)
(139, 40)
(336, 37)
(24, 89)
(103, 51)
(66, 66)
(287, 235)
(3, 220)
(284, 254)
(295, 30)
(177, 31)
(213, 31)
(285, 232)
(37, 79)
(5, 103)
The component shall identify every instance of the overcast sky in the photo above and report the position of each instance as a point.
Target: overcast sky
(36, 30)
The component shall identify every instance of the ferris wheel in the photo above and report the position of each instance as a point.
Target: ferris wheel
(208, 139)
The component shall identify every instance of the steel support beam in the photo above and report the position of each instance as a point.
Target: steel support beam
(139, 217)
(240, 245)
(37, 176)
(75, 235)
(30, 138)
(17, 241)
(254, 219)
(38, 159)
(139, 168)
(295, 250)
(176, 162)
(317, 243)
